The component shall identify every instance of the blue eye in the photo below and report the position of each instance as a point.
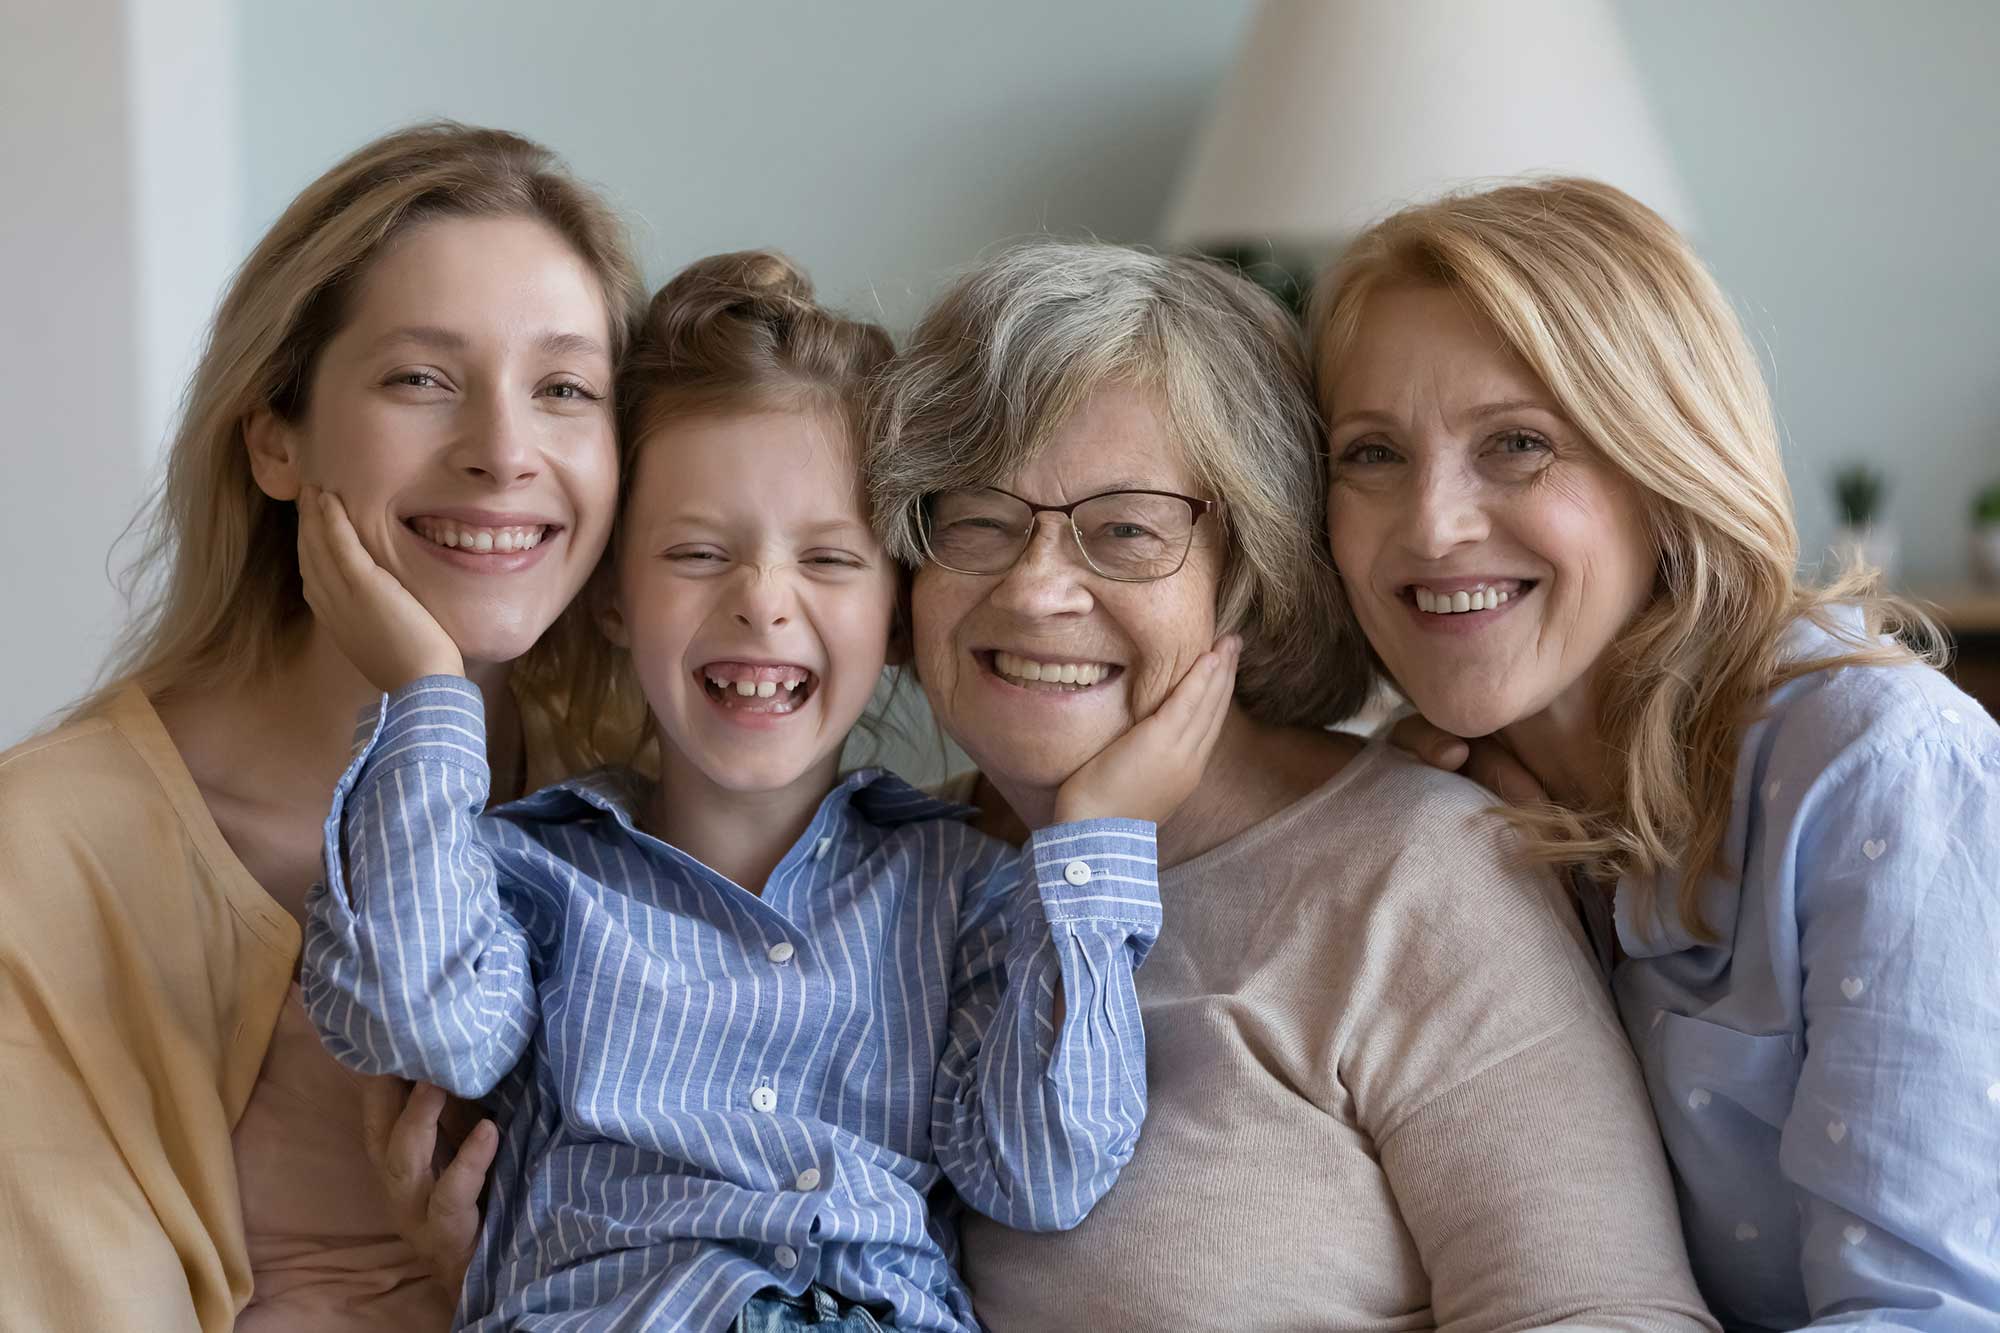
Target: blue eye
(1521, 442)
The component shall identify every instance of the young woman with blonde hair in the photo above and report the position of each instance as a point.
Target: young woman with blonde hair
(432, 329)
(1558, 506)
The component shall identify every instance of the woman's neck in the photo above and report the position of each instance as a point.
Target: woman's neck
(266, 756)
(742, 835)
(1562, 747)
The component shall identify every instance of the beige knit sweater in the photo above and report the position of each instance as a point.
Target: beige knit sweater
(1387, 1092)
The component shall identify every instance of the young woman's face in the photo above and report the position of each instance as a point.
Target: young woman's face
(754, 597)
(1491, 554)
(463, 416)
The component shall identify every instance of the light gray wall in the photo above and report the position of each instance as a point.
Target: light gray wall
(71, 463)
(1844, 160)
(879, 143)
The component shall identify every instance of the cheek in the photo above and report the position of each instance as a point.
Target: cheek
(1171, 635)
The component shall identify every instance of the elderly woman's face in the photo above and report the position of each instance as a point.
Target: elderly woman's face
(976, 635)
(1491, 554)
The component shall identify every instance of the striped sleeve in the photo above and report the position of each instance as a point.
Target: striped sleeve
(412, 965)
(1032, 1124)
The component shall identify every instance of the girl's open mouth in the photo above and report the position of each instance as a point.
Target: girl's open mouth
(757, 687)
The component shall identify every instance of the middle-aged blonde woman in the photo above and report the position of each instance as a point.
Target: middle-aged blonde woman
(1386, 1090)
(431, 328)
(1558, 509)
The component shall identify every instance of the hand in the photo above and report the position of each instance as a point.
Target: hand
(385, 632)
(436, 1209)
(1151, 769)
(1486, 761)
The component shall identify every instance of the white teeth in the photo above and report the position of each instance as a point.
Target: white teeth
(767, 689)
(1079, 674)
(746, 688)
(456, 537)
(1452, 603)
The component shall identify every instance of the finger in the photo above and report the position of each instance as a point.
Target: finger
(1222, 695)
(1495, 768)
(407, 1164)
(344, 544)
(382, 1100)
(1179, 712)
(455, 1197)
(1432, 744)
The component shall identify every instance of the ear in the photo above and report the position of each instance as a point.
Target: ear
(611, 622)
(273, 446)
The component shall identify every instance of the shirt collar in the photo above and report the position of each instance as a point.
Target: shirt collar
(874, 794)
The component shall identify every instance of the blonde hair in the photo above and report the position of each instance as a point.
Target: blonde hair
(1642, 352)
(228, 604)
(1018, 344)
(737, 332)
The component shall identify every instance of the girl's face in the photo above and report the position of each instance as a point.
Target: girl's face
(754, 598)
(1490, 552)
(463, 416)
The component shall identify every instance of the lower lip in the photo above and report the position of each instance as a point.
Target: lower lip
(1028, 691)
(1464, 622)
(488, 562)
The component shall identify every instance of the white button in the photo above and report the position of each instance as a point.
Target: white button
(782, 952)
(809, 1178)
(1077, 872)
(764, 1100)
(786, 1256)
(819, 852)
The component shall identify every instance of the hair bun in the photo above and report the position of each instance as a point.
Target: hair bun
(743, 287)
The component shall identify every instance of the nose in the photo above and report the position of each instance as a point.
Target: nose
(1048, 578)
(1445, 511)
(763, 600)
(497, 444)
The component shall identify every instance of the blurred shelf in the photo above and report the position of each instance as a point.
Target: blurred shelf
(1962, 610)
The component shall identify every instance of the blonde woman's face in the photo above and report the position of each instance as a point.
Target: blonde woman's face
(1491, 554)
(463, 415)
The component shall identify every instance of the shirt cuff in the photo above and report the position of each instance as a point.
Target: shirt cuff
(1099, 870)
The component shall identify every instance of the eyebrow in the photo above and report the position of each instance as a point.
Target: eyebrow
(1480, 413)
(442, 339)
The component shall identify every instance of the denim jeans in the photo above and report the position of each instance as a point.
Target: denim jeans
(771, 1311)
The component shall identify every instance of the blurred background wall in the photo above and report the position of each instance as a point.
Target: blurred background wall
(1841, 159)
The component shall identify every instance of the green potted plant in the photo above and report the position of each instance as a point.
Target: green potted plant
(1986, 535)
(1864, 537)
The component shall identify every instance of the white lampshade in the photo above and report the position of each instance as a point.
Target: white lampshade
(1338, 111)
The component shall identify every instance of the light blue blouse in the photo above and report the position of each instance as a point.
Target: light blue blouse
(1827, 1073)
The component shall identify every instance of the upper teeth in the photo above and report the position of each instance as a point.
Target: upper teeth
(466, 537)
(1481, 598)
(1062, 673)
(762, 689)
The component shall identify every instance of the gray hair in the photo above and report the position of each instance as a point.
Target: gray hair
(1018, 343)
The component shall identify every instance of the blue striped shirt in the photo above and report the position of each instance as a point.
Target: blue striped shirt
(729, 1091)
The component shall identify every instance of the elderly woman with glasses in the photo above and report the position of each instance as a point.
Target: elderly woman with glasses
(1386, 1086)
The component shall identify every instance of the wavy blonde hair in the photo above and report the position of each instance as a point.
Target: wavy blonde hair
(737, 332)
(218, 571)
(1642, 352)
(1018, 344)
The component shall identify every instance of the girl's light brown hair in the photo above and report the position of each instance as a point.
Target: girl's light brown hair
(732, 333)
(1639, 347)
(218, 572)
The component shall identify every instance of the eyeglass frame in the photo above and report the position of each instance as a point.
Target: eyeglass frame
(1200, 509)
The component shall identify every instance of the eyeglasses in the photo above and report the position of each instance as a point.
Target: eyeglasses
(1130, 536)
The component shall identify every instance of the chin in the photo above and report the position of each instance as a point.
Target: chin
(1462, 714)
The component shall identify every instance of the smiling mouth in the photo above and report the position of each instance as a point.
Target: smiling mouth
(1489, 596)
(752, 687)
(456, 536)
(1049, 675)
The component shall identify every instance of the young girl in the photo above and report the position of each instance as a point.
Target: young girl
(770, 1008)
